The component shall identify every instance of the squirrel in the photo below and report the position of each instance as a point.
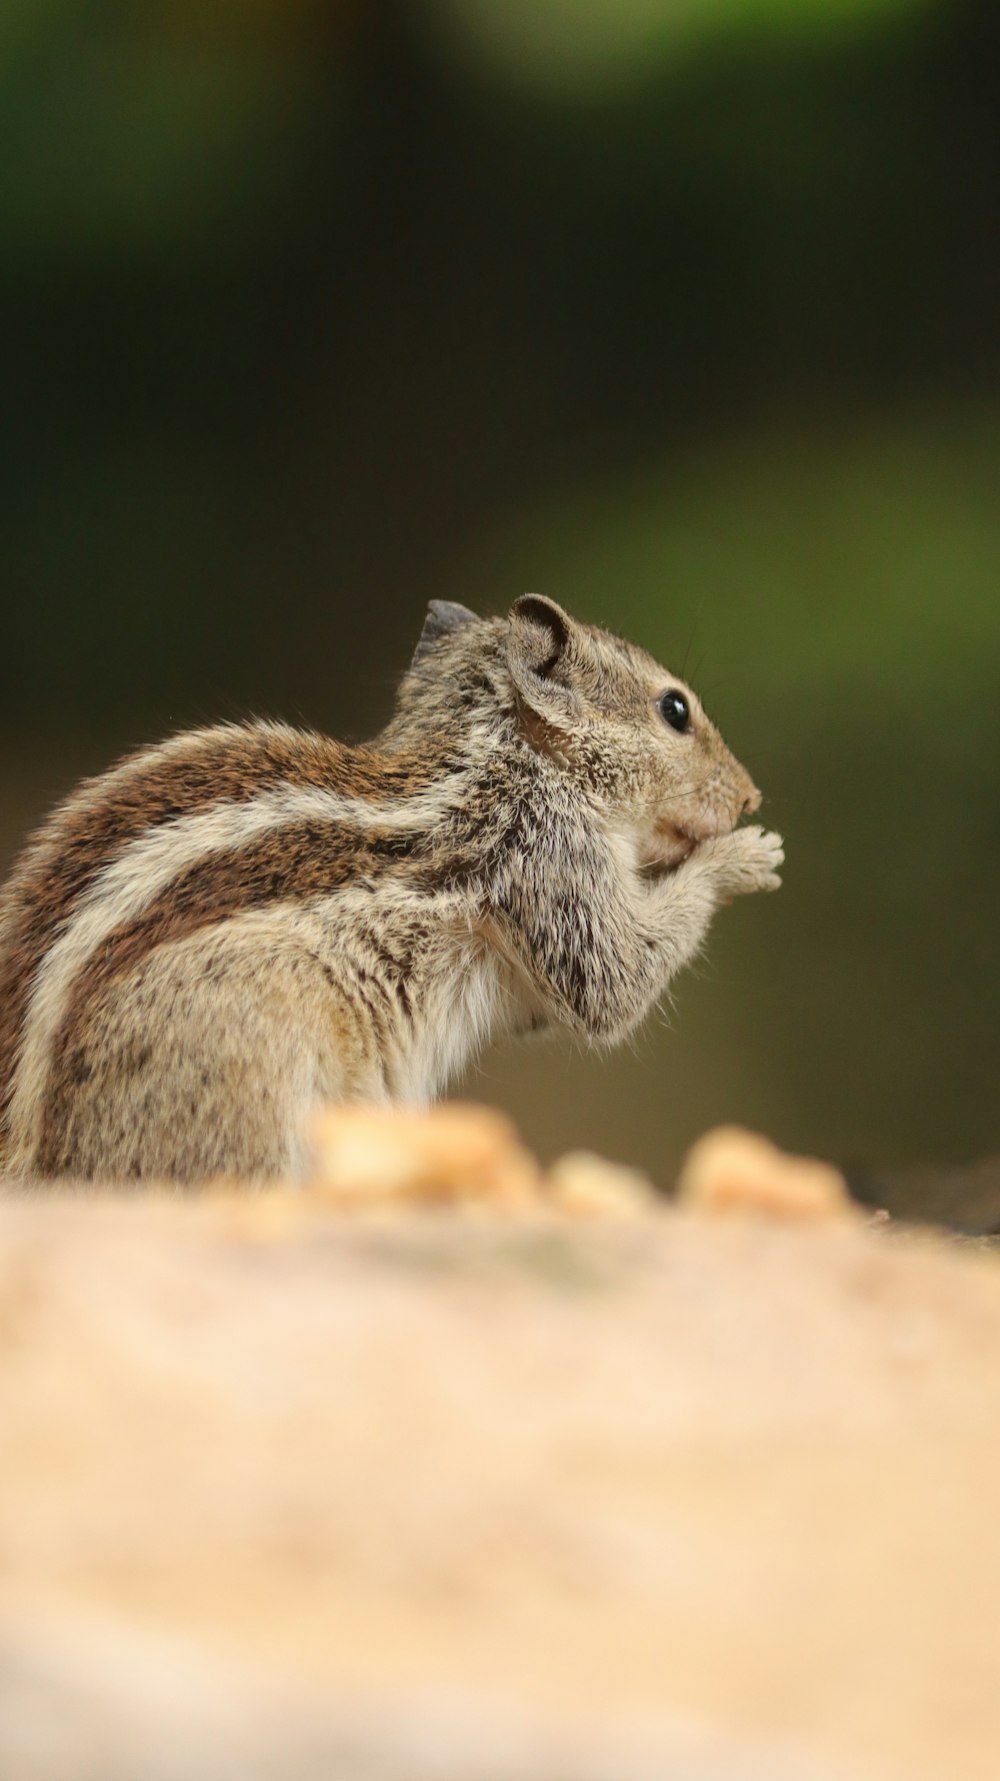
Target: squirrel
(223, 930)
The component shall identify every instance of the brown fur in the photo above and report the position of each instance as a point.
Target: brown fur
(293, 866)
(189, 773)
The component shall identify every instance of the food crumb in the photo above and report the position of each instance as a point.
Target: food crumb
(733, 1170)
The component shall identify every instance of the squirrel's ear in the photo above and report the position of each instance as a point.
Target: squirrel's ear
(443, 616)
(539, 637)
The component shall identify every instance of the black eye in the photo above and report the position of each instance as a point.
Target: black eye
(675, 710)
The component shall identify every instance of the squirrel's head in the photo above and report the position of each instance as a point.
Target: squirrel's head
(632, 733)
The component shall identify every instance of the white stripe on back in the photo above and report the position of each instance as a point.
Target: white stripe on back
(133, 880)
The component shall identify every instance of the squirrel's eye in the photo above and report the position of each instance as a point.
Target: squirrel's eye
(674, 709)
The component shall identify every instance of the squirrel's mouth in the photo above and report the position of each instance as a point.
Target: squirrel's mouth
(671, 843)
(670, 847)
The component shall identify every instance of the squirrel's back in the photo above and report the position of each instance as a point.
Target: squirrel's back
(175, 839)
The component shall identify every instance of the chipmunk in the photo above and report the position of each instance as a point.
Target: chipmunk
(222, 931)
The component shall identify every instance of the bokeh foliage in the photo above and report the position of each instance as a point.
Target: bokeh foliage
(687, 314)
(574, 49)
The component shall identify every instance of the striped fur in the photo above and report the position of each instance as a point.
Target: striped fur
(181, 876)
(186, 775)
(224, 929)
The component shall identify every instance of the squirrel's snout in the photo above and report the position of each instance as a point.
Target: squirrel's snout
(752, 800)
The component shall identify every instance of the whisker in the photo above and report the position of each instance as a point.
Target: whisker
(690, 641)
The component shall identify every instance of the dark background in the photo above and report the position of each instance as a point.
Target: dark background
(686, 314)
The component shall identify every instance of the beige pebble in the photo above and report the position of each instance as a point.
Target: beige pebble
(730, 1169)
(587, 1186)
(452, 1151)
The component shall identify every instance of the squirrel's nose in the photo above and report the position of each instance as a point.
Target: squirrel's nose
(751, 801)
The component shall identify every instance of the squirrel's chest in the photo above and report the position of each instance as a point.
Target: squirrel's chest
(468, 1003)
(418, 980)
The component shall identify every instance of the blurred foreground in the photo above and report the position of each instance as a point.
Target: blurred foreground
(476, 1494)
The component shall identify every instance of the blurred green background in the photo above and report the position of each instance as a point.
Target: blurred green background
(686, 312)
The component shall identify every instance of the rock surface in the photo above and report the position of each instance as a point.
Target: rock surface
(456, 1495)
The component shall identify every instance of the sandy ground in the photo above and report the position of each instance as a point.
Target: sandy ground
(459, 1497)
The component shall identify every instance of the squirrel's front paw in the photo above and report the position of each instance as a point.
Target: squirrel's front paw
(747, 860)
